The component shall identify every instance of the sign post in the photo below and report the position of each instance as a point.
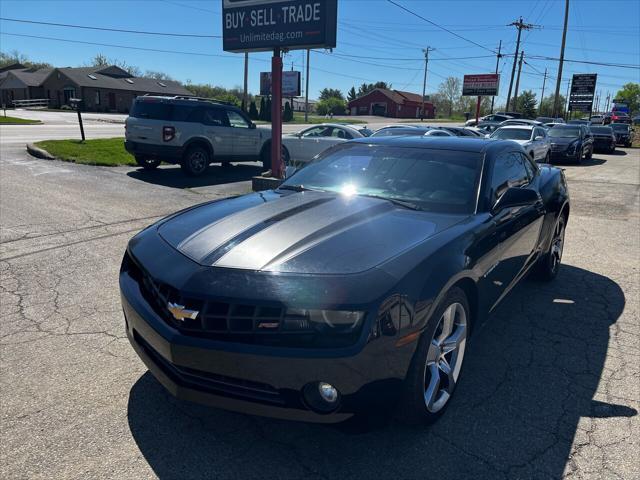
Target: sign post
(278, 25)
(481, 85)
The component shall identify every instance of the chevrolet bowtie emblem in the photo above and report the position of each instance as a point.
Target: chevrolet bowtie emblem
(181, 313)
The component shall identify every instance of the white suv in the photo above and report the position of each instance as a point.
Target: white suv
(193, 132)
(534, 140)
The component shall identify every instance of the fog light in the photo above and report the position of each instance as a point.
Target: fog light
(328, 392)
(321, 397)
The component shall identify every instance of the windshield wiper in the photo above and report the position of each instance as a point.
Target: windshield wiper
(299, 188)
(395, 201)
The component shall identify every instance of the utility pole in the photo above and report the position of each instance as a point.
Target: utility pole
(556, 101)
(515, 95)
(520, 25)
(306, 90)
(544, 82)
(606, 108)
(424, 82)
(499, 56)
(246, 82)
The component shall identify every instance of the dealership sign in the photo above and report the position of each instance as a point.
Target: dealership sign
(290, 84)
(261, 25)
(583, 88)
(483, 85)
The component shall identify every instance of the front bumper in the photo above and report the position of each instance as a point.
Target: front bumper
(261, 380)
(623, 140)
(564, 154)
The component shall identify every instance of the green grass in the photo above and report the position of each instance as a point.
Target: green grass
(18, 121)
(108, 152)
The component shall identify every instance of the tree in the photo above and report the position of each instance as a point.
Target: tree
(368, 87)
(158, 75)
(15, 56)
(267, 108)
(101, 60)
(334, 105)
(545, 109)
(450, 90)
(253, 111)
(327, 93)
(287, 116)
(263, 109)
(526, 104)
(351, 94)
(630, 93)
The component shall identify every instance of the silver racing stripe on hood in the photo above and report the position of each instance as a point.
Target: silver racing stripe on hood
(297, 233)
(206, 241)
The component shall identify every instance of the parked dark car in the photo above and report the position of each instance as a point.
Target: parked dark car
(571, 142)
(462, 132)
(604, 139)
(418, 130)
(352, 286)
(579, 121)
(623, 132)
(510, 114)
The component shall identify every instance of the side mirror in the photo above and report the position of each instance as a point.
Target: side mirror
(487, 135)
(539, 137)
(516, 197)
(252, 126)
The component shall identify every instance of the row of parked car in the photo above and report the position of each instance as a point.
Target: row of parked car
(197, 132)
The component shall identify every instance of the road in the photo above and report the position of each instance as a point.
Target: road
(550, 388)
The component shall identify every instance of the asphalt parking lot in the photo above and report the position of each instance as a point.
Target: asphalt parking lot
(551, 387)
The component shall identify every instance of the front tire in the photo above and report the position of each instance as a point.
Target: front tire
(547, 158)
(266, 157)
(579, 156)
(437, 361)
(589, 155)
(195, 162)
(147, 163)
(549, 264)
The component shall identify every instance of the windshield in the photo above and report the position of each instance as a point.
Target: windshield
(620, 127)
(545, 119)
(606, 130)
(366, 132)
(512, 134)
(564, 132)
(433, 180)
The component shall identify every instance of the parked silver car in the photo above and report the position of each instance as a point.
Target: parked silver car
(302, 146)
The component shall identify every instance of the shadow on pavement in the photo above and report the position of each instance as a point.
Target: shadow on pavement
(530, 375)
(172, 176)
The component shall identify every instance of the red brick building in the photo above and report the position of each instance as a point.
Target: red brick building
(390, 103)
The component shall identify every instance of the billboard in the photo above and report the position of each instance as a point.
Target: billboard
(482, 85)
(583, 88)
(261, 25)
(290, 83)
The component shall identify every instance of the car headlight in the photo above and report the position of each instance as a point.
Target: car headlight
(573, 146)
(322, 321)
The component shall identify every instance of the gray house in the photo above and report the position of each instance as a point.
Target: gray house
(103, 89)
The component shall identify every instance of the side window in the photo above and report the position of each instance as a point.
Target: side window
(318, 132)
(215, 117)
(196, 115)
(341, 133)
(236, 120)
(508, 171)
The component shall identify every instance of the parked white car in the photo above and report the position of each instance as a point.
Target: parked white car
(302, 146)
(534, 140)
(597, 119)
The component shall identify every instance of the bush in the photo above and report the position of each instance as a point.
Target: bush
(253, 111)
(334, 105)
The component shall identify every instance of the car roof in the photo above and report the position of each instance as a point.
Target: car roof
(461, 144)
(518, 127)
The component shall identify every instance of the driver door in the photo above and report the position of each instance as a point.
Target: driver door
(246, 140)
(517, 229)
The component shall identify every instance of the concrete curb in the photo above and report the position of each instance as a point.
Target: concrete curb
(39, 152)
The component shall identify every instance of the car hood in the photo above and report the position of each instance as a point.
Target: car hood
(305, 232)
(522, 142)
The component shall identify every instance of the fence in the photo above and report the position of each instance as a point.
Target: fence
(31, 103)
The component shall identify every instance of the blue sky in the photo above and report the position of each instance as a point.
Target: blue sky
(599, 31)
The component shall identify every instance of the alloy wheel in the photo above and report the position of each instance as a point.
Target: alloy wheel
(197, 162)
(557, 244)
(444, 357)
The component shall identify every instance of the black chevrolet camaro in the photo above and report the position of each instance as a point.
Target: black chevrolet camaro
(353, 286)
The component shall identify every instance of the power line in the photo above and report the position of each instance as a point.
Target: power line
(439, 26)
(104, 29)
